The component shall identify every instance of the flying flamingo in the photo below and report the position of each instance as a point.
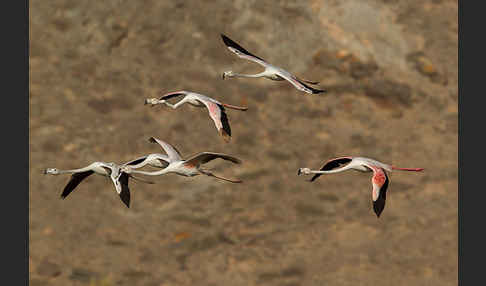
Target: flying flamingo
(189, 167)
(270, 72)
(379, 180)
(112, 170)
(216, 109)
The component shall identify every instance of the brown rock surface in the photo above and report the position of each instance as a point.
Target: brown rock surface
(390, 68)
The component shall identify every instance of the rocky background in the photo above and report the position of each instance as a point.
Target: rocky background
(391, 71)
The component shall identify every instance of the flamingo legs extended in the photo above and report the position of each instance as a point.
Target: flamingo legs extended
(408, 169)
(210, 174)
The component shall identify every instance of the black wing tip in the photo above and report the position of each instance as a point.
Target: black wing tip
(230, 43)
(317, 91)
(315, 177)
(225, 121)
(378, 212)
(379, 206)
(227, 40)
(127, 203)
(125, 192)
(65, 194)
(125, 197)
(313, 90)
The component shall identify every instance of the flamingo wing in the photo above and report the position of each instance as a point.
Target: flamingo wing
(333, 164)
(298, 83)
(218, 115)
(171, 95)
(172, 152)
(380, 183)
(120, 181)
(164, 161)
(125, 191)
(241, 52)
(135, 161)
(307, 81)
(75, 180)
(205, 157)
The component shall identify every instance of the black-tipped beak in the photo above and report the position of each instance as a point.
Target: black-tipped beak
(299, 172)
(223, 76)
(44, 171)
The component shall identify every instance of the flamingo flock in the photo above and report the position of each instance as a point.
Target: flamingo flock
(173, 162)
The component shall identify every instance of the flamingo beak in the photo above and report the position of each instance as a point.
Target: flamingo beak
(299, 172)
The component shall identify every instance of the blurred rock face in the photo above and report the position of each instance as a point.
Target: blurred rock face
(390, 68)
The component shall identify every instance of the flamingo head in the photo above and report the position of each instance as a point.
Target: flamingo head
(228, 74)
(51, 171)
(303, 171)
(153, 101)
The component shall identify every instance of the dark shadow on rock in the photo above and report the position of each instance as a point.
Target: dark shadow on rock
(38, 282)
(389, 92)
(308, 210)
(328, 197)
(135, 274)
(200, 221)
(83, 275)
(359, 70)
(293, 271)
(49, 269)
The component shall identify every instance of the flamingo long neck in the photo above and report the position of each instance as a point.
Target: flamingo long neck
(333, 171)
(156, 173)
(262, 74)
(408, 169)
(88, 168)
(173, 106)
